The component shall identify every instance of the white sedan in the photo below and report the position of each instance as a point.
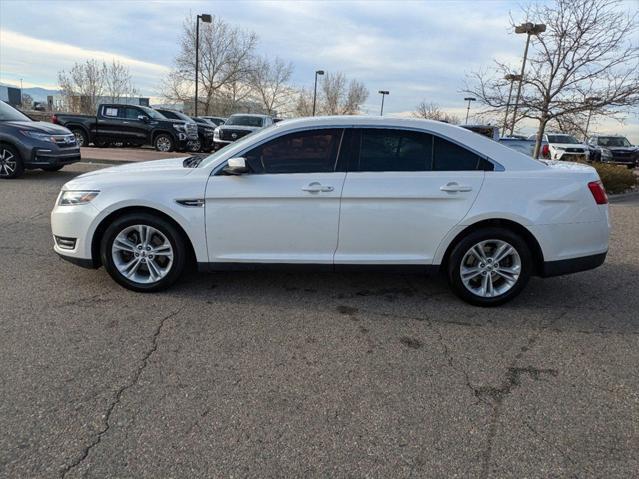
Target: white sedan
(341, 192)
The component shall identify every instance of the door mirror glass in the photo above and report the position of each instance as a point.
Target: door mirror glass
(236, 166)
(143, 118)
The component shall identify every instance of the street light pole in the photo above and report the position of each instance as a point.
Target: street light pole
(318, 72)
(590, 101)
(468, 99)
(529, 29)
(512, 79)
(383, 93)
(206, 18)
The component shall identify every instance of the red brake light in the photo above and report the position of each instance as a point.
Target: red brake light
(545, 151)
(598, 192)
(54, 119)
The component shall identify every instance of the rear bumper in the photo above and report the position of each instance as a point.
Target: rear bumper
(573, 265)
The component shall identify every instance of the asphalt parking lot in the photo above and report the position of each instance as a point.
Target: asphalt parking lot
(314, 375)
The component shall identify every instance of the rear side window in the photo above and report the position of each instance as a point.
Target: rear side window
(312, 151)
(448, 156)
(112, 111)
(394, 150)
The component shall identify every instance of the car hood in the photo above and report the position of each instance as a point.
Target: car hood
(239, 127)
(40, 126)
(131, 172)
(569, 145)
(623, 149)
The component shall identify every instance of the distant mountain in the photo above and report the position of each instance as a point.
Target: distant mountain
(40, 94)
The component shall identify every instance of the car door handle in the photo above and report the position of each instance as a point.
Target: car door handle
(454, 187)
(316, 187)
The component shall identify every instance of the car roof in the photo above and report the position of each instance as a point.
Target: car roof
(492, 149)
(257, 115)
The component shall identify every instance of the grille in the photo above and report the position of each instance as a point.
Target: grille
(228, 134)
(191, 130)
(64, 140)
(574, 150)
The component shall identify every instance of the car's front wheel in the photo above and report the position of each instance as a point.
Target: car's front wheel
(489, 266)
(10, 162)
(143, 252)
(80, 137)
(164, 142)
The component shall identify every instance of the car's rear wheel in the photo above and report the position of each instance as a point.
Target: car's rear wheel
(163, 142)
(80, 137)
(489, 266)
(143, 252)
(11, 165)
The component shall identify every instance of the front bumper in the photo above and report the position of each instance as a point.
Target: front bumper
(52, 157)
(74, 223)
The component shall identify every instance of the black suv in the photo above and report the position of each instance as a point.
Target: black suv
(28, 144)
(204, 130)
(623, 153)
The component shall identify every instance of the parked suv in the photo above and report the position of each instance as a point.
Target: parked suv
(205, 130)
(28, 144)
(622, 152)
(564, 147)
(239, 125)
(136, 125)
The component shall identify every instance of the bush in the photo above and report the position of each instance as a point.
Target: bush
(616, 178)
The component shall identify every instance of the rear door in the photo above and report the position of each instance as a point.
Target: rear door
(403, 193)
(286, 209)
(109, 122)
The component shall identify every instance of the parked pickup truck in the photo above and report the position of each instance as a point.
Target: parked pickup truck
(136, 125)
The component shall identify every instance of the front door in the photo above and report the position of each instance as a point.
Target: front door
(285, 210)
(403, 193)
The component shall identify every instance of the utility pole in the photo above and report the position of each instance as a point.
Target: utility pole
(468, 99)
(529, 29)
(318, 72)
(512, 79)
(206, 18)
(589, 101)
(383, 93)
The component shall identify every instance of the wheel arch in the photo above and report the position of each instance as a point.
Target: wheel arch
(71, 126)
(155, 134)
(518, 228)
(107, 220)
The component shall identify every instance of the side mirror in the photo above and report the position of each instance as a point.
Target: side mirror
(236, 166)
(143, 118)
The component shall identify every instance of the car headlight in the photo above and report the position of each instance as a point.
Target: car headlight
(69, 198)
(179, 126)
(216, 133)
(559, 148)
(36, 135)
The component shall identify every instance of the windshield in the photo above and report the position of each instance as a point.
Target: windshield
(613, 141)
(8, 113)
(182, 116)
(243, 120)
(152, 113)
(562, 139)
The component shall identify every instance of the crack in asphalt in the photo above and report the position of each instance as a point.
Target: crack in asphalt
(67, 468)
(563, 453)
(512, 380)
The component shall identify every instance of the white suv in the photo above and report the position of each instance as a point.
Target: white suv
(341, 192)
(564, 147)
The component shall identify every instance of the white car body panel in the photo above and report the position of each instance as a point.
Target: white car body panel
(368, 218)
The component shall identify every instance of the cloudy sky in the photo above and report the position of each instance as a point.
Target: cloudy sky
(417, 50)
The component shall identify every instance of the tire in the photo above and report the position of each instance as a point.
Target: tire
(194, 146)
(164, 142)
(53, 168)
(506, 280)
(80, 137)
(120, 259)
(11, 165)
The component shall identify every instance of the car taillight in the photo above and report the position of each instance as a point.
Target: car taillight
(545, 151)
(598, 192)
(54, 119)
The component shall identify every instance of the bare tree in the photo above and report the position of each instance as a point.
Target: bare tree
(83, 85)
(225, 54)
(304, 103)
(269, 83)
(339, 99)
(585, 60)
(432, 111)
(118, 82)
(26, 101)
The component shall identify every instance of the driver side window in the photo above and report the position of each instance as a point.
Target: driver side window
(312, 151)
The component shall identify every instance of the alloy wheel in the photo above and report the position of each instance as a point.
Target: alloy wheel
(8, 163)
(163, 144)
(79, 138)
(142, 254)
(490, 268)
